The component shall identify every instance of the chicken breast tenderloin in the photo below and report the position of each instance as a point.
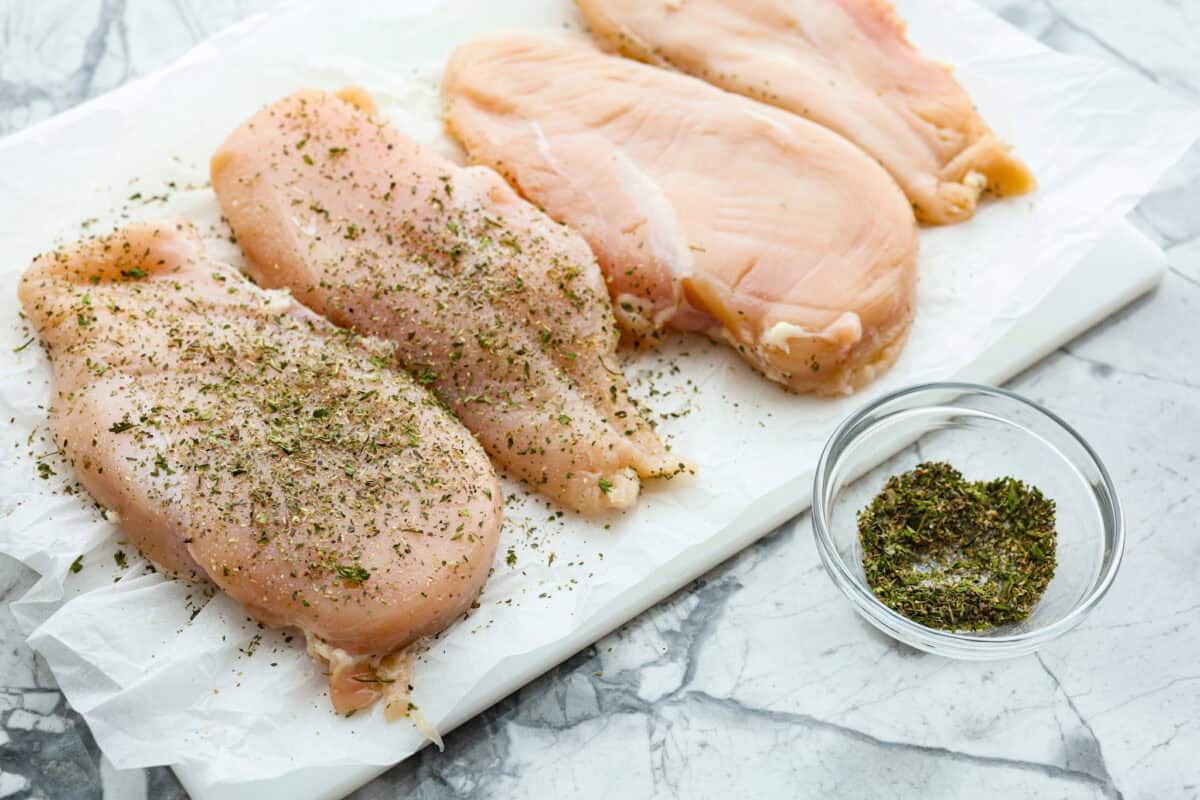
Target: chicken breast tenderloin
(491, 304)
(845, 64)
(239, 437)
(707, 211)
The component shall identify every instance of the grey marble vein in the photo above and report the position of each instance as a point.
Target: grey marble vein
(1087, 753)
(758, 679)
(106, 39)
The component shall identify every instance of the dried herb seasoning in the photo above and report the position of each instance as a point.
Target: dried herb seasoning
(955, 554)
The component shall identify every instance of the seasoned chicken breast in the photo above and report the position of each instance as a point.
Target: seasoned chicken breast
(845, 64)
(707, 211)
(491, 304)
(238, 436)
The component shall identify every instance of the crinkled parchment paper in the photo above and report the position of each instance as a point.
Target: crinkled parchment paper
(166, 673)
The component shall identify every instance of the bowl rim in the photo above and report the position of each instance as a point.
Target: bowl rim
(953, 643)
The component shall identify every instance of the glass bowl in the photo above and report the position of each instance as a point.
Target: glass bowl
(986, 433)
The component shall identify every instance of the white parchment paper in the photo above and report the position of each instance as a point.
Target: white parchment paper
(166, 673)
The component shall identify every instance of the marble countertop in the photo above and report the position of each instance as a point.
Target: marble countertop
(708, 694)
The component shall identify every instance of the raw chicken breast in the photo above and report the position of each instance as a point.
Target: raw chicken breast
(706, 210)
(237, 435)
(491, 304)
(845, 64)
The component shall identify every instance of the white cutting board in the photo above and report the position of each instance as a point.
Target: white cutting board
(1122, 267)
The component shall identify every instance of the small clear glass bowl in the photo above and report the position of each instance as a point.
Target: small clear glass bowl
(986, 433)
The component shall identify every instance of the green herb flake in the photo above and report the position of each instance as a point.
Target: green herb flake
(161, 465)
(352, 572)
(958, 555)
(371, 679)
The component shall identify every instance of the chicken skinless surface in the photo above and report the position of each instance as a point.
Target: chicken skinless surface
(491, 304)
(238, 436)
(845, 64)
(708, 211)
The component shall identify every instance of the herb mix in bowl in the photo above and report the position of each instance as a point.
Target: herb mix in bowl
(955, 554)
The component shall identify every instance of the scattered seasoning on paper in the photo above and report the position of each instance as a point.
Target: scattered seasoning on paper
(955, 554)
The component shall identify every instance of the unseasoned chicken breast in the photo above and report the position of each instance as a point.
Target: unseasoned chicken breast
(491, 304)
(240, 437)
(707, 211)
(845, 64)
